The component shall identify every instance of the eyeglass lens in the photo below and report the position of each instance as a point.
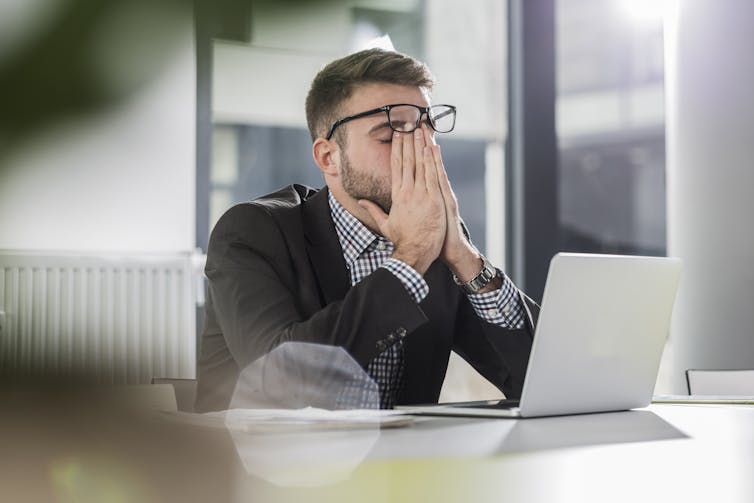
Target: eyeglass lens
(404, 118)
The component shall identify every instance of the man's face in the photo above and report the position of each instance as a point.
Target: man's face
(365, 160)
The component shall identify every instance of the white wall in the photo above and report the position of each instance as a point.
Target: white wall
(122, 180)
(710, 146)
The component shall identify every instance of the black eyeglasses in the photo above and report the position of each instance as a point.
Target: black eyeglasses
(405, 118)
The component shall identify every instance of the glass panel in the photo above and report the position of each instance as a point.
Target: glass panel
(259, 90)
(611, 126)
(259, 87)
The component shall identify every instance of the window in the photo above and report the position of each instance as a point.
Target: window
(610, 125)
(260, 140)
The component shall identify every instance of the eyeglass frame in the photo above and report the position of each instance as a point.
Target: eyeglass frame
(386, 109)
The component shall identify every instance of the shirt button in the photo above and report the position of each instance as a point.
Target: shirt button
(381, 345)
(381, 246)
(391, 338)
(493, 313)
(401, 332)
(507, 310)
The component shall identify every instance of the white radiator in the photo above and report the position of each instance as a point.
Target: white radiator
(112, 319)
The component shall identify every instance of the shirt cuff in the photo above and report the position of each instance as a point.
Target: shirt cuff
(412, 281)
(500, 307)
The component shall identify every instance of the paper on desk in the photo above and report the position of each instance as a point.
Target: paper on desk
(289, 420)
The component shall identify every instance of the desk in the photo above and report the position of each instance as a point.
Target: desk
(688, 453)
(669, 453)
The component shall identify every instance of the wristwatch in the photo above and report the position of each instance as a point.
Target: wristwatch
(487, 274)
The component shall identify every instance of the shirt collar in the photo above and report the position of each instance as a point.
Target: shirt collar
(354, 236)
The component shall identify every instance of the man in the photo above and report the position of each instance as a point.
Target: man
(377, 262)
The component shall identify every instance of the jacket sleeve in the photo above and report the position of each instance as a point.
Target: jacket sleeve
(259, 295)
(500, 354)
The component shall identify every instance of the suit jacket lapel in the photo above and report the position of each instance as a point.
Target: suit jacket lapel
(323, 248)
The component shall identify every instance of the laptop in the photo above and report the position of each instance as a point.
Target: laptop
(597, 345)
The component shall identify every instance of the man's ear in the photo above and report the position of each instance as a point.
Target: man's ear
(326, 154)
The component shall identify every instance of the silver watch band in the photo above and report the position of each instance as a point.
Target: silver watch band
(485, 276)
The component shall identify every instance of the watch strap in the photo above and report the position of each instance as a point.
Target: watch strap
(485, 276)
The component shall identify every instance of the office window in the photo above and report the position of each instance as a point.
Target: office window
(260, 141)
(610, 126)
(260, 138)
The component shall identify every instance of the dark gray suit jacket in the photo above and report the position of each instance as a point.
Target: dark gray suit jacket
(276, 273)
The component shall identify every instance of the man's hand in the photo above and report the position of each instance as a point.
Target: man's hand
(417, 222)
(457, 252)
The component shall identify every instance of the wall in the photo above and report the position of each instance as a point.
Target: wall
(710, 127)
(121, 179)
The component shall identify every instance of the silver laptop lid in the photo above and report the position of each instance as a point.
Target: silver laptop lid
(600, 335)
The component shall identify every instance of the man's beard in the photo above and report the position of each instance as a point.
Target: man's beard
(365, 186)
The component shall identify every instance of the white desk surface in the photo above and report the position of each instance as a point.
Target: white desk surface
(669, 453)
(666, 453)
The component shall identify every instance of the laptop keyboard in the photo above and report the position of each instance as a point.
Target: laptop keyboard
(489, 404)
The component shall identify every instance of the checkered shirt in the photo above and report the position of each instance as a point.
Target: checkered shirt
(365, 251)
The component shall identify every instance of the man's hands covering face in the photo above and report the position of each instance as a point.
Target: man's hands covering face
(417, 223)
(424, 223)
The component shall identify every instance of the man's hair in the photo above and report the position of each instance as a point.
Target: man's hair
(336, 82)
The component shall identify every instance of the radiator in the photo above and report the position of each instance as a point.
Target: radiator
(112, 319)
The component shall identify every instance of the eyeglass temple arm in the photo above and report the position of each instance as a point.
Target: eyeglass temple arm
(352, 117)
(443, 114)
